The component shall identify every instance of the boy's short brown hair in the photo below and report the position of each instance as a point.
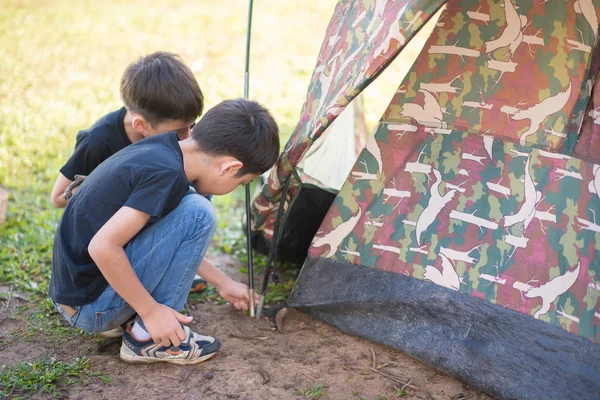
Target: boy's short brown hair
(160, 87)
(242, 129)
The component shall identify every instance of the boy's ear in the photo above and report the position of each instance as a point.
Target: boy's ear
(230, 166)
(139, 123)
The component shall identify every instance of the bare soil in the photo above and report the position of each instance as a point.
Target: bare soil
(254, 362)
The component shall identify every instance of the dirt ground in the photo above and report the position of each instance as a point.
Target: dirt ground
(254, 362)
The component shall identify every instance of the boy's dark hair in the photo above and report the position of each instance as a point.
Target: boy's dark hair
(161, 87)
(242, 129)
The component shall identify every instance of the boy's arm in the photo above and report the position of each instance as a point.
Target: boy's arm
(57, 197)
(89, 152)
(232, 291)
(106, 249)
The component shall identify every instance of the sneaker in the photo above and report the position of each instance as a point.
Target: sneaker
(198, 284)
(113, 333)
(194, 349)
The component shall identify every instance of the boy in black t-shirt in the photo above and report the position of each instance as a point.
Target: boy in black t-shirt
(160, 94)
(134, 234)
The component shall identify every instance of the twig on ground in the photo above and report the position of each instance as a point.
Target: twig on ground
(373, 358)
(264, 374)
(123, 370)
(19, 297)
(172, 377)
(248, 337)
(10, 292)
(405, 385)
(231, 395)
(397, 379)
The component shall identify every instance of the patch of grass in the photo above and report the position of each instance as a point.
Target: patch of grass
(278, 293)
(313, 393)
(44, 325)
(46, 377)
(49, 325)
(208, 295)
(26, 242)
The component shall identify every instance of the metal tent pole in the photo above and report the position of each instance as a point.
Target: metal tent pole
(273, 248)
(248, 227)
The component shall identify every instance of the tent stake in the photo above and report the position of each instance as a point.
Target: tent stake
(248, 227)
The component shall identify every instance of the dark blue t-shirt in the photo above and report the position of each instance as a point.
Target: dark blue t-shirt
(106, 137)
(147, 176)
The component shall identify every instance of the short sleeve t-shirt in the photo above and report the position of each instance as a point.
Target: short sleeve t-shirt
(106, 137)
(147, 176)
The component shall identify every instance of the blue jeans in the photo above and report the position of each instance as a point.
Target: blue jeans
(165, 256)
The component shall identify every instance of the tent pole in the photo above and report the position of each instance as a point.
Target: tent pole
(248, 226)
(273, 248)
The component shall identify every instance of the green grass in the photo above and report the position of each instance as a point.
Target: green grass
(26, 241)
(46, 378)
(44, 326)
(312, 393)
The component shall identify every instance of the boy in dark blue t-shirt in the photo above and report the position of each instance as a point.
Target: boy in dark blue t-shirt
(160, 94)
(133, 236)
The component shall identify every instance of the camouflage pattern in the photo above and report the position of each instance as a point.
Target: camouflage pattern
(471, 180)
(588, 143)
(362, 39)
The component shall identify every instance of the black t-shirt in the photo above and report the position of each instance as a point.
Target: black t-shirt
(147, 176)
(94, 145)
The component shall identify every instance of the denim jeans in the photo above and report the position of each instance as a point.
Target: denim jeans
(165, 256)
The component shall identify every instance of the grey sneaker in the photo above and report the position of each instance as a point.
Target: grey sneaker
(194, 349)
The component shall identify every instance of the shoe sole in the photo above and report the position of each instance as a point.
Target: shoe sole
(131, 358)
(110, 334)
(198, 288)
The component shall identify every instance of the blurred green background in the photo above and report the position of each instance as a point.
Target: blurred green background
(60, 66)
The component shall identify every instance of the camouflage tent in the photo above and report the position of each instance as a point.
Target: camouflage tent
(466, 232)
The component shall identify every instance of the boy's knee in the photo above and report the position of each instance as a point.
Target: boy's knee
(202, 211)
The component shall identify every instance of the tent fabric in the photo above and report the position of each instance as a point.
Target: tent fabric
(328, 162)
(508, 224)
(361, 40)
(588, 143)
(518, 72)
(505, 222)
(466, 233)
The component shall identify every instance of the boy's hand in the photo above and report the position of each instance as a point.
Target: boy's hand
(237, 294)
(164, 325)
(72, 188)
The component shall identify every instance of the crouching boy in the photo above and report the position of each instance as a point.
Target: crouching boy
(132, 238)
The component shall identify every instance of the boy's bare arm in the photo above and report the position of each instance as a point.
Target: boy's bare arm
(212, 274)
(106, 249)
(57, 197)
(234, 292)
